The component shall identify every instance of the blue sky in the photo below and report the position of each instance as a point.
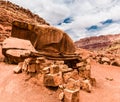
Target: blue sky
(79, 18)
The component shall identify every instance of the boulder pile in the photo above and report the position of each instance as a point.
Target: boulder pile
(58, 74)
(108, 59)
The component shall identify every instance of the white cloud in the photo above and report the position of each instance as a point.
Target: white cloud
(84, 13)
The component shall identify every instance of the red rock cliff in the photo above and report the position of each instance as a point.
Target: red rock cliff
(10, 12)
(93, 43)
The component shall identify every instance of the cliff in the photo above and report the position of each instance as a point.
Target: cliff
(97, 42)
(10, 12)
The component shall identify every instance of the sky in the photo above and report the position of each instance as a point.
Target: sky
(78, 18)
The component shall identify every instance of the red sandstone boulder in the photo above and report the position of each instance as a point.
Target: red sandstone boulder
(43, 37)
(16, 49)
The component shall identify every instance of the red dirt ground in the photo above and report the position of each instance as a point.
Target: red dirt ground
(17, 87)
(105, 90)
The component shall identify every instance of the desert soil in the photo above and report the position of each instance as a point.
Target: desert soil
(108, 85)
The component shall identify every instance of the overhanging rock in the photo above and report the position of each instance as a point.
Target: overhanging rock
(44, 37)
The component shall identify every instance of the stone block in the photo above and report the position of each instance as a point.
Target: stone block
(18, 69)
(86, 85)
(25, 66)
(80, 64)
(72, 74)
(66, 76)
(71, 95)
(37, 67)
(72, 84)
(93, 81)
(88, 60)
(32, 68)
(85, 72)
(64, 68)
(105, 59)
(53, 80)
(16, 50)
(88, 67)
(59, 62)
(46, 70)
(40, 60)
(75, 74)
(54, 69)
(61, 96)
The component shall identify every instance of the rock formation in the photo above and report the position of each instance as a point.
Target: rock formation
(96, 43)
(44, 37)
(10, 12)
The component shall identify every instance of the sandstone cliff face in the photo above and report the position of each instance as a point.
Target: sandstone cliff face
(95, 43)
(10, 12)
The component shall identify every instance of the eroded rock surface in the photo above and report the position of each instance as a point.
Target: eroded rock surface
(43, 37)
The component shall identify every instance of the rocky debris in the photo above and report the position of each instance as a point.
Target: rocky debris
(116, 62)
(110, 79)
(53, 80)
(69, 80)
(106, 58)
(58, 74)
(44, 38)
(86, 85)
(109, 55)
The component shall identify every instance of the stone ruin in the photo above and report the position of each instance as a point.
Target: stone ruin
(48, 51)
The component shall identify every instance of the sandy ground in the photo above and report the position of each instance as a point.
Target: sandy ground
(17, 87)
(105, 90)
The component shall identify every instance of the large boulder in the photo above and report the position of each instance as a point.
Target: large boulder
(43, 37)
(16, 50)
